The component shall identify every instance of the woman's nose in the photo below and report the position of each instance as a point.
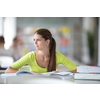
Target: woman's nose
(35, 42)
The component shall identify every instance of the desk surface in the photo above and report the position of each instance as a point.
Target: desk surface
(40, 79)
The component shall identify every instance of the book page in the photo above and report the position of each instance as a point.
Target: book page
(59, 73)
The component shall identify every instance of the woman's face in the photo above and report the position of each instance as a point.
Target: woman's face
(39, 42)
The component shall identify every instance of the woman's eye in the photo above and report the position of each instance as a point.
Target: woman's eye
(38, 40)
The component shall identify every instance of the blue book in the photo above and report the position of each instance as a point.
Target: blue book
(23, 72)
(20, 72)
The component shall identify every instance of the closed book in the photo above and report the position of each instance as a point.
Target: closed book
(87, 76)
(88, 69)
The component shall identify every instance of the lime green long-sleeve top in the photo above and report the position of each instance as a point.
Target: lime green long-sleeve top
(31, 60)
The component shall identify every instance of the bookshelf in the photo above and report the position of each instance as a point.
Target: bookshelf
(25, 39)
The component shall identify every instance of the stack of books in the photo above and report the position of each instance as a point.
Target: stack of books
(87, 73)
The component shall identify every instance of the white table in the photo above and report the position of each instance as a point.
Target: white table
(40, 79)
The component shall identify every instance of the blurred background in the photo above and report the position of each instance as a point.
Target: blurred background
(76, 37)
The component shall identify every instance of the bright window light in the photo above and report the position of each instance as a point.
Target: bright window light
(1, 26)
(9, 31)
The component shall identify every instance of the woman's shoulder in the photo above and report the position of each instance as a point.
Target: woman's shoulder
(58, 53)
(30, 54)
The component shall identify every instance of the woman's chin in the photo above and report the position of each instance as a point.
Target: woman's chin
(37, 49)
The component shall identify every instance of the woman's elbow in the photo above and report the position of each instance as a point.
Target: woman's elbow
(8, 70)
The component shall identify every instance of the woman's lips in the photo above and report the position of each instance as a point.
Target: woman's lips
(36, 46)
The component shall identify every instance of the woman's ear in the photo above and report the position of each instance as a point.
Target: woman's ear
(47, 41)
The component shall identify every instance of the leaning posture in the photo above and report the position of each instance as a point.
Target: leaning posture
(45, 58)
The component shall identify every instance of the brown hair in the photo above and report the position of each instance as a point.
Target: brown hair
(46, 34)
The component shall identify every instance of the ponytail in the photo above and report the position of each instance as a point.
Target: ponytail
(52, 62)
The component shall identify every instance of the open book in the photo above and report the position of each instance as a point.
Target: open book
(22, 72)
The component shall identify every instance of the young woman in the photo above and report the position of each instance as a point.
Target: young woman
(45, 58)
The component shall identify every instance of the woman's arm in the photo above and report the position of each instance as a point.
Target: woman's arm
(73, 71)
(18, 64)
(10, 70)
(61, 59)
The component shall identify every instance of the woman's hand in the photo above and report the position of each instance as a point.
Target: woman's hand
(34, 72)
(73, 71)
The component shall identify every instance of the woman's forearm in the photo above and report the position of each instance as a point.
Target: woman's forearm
(10, 70)
(73, 71)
